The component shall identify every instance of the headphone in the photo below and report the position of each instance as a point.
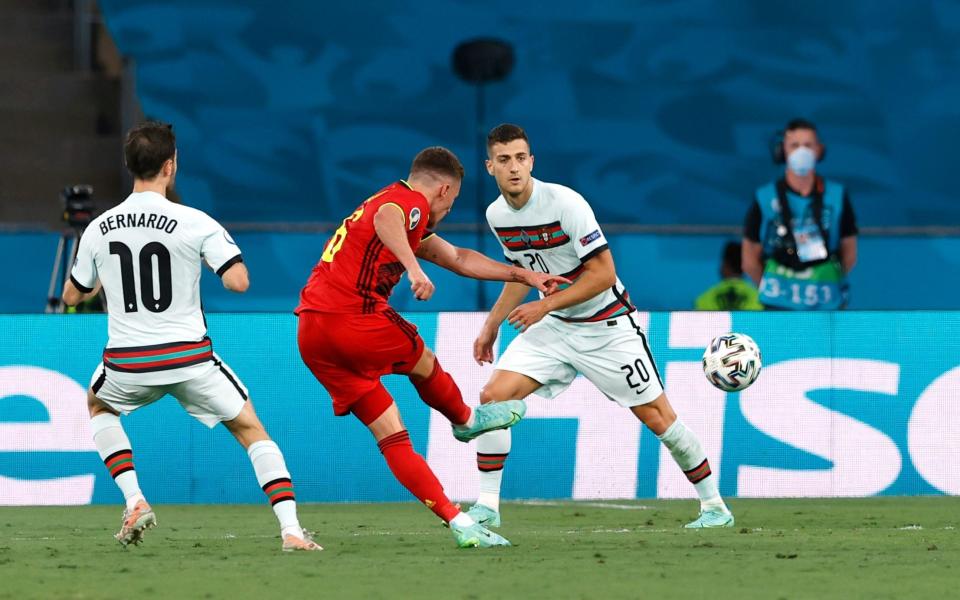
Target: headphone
(776, 142)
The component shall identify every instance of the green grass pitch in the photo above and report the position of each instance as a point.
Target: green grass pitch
(863, 548)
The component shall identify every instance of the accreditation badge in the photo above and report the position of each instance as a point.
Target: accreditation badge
(811, 246)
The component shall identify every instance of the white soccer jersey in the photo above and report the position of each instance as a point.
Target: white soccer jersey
(147, 253)
(556, 232)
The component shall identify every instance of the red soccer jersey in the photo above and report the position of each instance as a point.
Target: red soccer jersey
(356, 272)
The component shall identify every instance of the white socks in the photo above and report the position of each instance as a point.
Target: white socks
(462, 520)
(689, 455)
(492, 450)
(113, 445)
(273, 477)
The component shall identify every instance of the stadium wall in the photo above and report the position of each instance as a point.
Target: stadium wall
(658, 112)
(848, 404)
(662, 272)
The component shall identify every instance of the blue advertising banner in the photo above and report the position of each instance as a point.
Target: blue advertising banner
(848, 404)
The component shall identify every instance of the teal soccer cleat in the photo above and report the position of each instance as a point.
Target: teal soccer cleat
(476, 536)
(712, 518)
(484, 515)
(488, 417)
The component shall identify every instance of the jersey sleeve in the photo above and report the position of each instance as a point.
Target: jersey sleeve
(752, 222)
(84, 272)
(579, 222)
(412, 206)
(217, 248)
(848, 219)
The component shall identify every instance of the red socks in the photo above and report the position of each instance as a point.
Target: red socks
(440, 392)
(413, 472)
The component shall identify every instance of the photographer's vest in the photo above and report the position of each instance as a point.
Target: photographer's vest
(802, 270)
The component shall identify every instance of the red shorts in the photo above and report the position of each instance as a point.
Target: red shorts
(349, 353)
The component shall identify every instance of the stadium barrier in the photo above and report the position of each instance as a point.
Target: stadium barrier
(848, 404)
(661, 272)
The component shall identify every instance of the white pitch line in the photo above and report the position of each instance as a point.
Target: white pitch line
(588, 504)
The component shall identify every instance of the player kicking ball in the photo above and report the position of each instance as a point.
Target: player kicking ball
(350, 337)
(146, 253)
(586, 328)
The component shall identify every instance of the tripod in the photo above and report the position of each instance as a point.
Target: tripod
(62, 263)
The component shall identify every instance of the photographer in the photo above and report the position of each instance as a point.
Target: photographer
(800, 234)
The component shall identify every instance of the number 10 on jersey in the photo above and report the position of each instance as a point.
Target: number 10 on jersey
(154, 300)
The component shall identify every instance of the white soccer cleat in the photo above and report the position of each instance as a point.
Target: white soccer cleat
(709, 519)
(292, 543)
(135, 522)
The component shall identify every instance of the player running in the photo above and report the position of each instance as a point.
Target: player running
(146, 252)
(349, 336)
(586, 328)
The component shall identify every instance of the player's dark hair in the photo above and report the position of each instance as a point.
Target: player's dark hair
(798, 123)
(506, 133)
(437, 160)
(146, 147)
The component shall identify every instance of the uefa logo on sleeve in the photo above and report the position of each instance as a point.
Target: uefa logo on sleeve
(414, 218)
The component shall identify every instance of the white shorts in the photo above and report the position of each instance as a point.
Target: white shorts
(613, 355)
(215, 395)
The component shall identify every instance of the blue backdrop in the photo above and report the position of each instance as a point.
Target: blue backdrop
(848, 404)
(662, 272)
(658, 112)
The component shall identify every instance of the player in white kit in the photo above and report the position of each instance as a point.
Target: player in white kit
(147, 254)
(587, 328)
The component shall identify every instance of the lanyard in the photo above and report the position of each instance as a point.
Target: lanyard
(816, 208)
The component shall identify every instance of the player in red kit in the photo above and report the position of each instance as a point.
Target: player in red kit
(350, 337)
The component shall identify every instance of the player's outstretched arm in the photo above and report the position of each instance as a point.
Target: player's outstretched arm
(599, 274)
(389, 223)
(472, 264)
(510, 298)
(236, 278)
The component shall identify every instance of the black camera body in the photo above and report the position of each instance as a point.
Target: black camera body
(78, 205)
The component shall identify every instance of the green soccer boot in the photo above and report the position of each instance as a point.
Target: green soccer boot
(712, 518)
(488, 417)
(484, 515)
(476, 536)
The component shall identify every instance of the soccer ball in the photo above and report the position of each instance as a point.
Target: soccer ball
(732, 362)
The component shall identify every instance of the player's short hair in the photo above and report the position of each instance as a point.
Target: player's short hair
(437, 160)
(506, 133)
(146, 147)
(799, 123)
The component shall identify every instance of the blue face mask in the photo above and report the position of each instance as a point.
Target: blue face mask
(802, 160)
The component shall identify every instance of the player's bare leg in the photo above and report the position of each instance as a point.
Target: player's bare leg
(494, 447)
(440, 392)
(412, 470)
(660, 418)
(273, 477)
(114, 448)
